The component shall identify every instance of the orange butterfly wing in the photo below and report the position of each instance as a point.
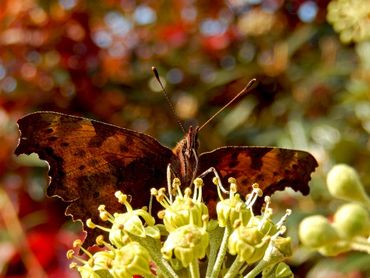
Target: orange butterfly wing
(272, 168)
(90, 160)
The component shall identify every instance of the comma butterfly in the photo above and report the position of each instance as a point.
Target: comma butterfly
(90, 160)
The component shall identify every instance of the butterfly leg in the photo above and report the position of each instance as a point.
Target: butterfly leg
(170, 173)
(214, 171)
(169, 176)
(196, 166)
(150, 207)
(169, 183)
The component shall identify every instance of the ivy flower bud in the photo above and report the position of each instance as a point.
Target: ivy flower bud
(97, 266)
(183, 211)
(280, 270)
(264, 224)
(186, 244)
(284, 245)
(352, 220)
(315, 231)
(131, 259)
(122, 223)
(249, 243)
(231, 209)
(344, 183)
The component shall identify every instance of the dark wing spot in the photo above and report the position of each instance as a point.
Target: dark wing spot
(102, 133)
(234, 156)
(244, 181)
(52, 138)
(233, 163)
(129, 140)
(256, 155)
(285, 155)
(81, 167)
(96, 142)
(49, 130)
(64, 144)
(49, 152)
(123, 148)
(260, 177)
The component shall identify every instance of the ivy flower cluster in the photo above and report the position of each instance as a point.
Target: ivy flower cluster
(188, 243)
(350, 227)
(351, 19)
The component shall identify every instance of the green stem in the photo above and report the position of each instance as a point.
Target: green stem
(272, 256)
(214, 246)
(257, 269)
(235, 267)
(154, 248)
(194, 269)
(221, 253)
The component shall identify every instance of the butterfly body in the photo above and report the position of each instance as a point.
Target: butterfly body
(185, 163)
(90, 160)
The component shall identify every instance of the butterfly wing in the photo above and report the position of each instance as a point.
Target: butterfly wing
(272, 168)
(90, 160)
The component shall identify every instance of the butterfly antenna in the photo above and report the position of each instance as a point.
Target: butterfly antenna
(245, 90)
(154, 69)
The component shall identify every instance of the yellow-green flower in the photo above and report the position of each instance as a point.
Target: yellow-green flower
(98, 265)
(102, 260)
(233, 208)
(131, 259)
(249, 243)
(186, 244)
(183, 211)
(138, 222)
(87, 271)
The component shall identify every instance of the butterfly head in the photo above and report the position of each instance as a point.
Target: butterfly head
(186, 152)
(191, 142)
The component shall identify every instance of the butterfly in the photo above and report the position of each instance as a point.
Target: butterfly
(90, 160)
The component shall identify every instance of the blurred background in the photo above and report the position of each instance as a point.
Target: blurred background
(93, 59)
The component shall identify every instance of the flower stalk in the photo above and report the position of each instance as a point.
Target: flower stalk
(221, 254)
(194, 269)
